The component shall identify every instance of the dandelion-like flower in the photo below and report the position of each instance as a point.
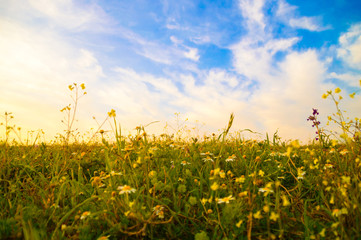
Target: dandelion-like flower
(125, 189)
(225, 199)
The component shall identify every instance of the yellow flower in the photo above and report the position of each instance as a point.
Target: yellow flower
(285, 201)
(112, 113)
(337, 90)
(258, 215)
(266, 208)
(239, 223)
(209, 211)
(82, 86)
(324, 96)
(322, 233)
(97, 181)
(71, 87)
(352, 95)
(261, 173)
(214, 186)
(222, 174)
(274, 216)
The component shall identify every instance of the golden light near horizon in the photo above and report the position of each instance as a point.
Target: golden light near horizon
(154, 62)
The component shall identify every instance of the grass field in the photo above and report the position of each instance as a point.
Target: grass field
(165, 187)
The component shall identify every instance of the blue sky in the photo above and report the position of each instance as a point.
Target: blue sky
(268, 61)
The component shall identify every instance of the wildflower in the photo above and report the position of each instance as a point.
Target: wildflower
(112, 113)
(97, 181)
(285, 200)
(209, 211)
(300, 173)
(328, 165)
(185, 163)
(222, 174)
(152, 173)
(344, 152)
(274, 216)
(63, 227)
(261, 173)
(337, 90)
(241, 179)
(352, 95)
(322, 233)
(345, 179)
(215, 186)
(82, 86)
(243, 194)
(216, 171)
(266, 208)
(208, 159)
(125, 189)
(225, 199)
(239, 223)
(103, 237)
(324, 96)
(113, 173)
(159, 211)
(84, 215)
(257, 215)
(265, 190)
(231, 158)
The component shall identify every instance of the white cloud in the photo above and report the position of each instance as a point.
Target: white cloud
(288, 14)
(350, 79)
(308, 23)
(255, 60)
(192, 54)
(72, 15)
(350, 46)
(252, 10)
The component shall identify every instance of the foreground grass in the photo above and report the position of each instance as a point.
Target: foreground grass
(163, 188)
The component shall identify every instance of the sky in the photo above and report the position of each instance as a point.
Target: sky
(267, 61)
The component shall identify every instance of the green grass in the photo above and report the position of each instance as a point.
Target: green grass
(277, 191)
(164, 187)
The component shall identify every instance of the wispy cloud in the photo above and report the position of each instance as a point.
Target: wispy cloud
(288, 14)
(350, 46)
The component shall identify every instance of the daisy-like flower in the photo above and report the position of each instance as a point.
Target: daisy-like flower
(231, 158)
(225, 199)
(185, 163)
(125, 189)
(208, 159)
(84, 215)
(159, 211)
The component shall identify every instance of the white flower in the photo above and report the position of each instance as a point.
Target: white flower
(126, 189)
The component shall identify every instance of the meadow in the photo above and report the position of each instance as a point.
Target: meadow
(166, 187)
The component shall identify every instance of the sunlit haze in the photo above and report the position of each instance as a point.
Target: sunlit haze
(267, 61)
